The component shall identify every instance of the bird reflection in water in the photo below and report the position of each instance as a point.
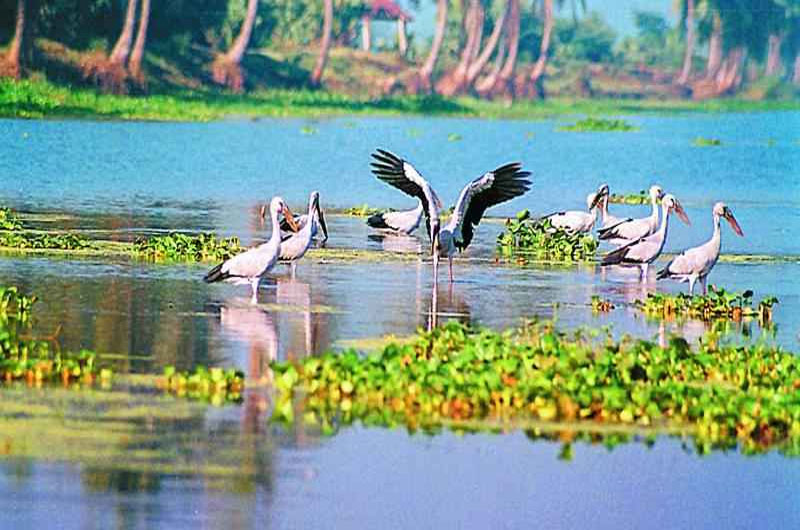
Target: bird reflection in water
(447, 305)
(295, 295)
(397, 243)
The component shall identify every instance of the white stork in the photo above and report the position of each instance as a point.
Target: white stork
(402, 222)
(629, 229)
(574, 220)
(294, 246)
(606, 219)
(644, 251)
(695, 263)
(301, 220)
(494, 187)
(249, 266)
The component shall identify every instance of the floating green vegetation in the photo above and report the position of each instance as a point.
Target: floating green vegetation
(37, 361)
(454, 137)
(214, 385)
(599, 305)
(706, 142)
(186, 247)
(308, 130)
(723, 395)
(526, 237)
(361, 211)
(599, 125)
(13, 235)
(631, 198)
(718, 304)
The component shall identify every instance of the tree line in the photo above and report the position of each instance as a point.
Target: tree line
(488, 48)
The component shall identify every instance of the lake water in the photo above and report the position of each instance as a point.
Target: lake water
(164, 463)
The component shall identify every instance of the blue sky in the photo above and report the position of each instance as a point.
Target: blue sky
(618, 13)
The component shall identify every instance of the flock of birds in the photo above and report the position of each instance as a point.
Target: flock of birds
(639, 241)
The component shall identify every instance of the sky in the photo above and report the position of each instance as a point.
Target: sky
(618, 13)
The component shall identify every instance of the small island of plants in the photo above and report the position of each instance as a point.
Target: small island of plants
(718, 304)
(539, 239)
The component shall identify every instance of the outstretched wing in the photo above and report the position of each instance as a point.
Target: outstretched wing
(396, 172)
(494, 187)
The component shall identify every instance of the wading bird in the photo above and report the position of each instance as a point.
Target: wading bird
(644, 251)
(695, 263)
(629, 229)
(295, 245)
(494, 187)
(300, 222)
(402, 222)
(249, 266)
(575, 220)
(606, 219)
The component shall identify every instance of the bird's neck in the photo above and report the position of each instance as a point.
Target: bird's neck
(276, 227)
(716, 237)
(662, 230)
(654, 212)
(604, 208)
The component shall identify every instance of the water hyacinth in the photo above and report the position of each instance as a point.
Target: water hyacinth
(716, 305)
(209, 384)
(13, 235)
(746, 396)
(632, 198)
(599, 125)
(176, 246)
(524, 236)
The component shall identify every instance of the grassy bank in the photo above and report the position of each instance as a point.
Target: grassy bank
(41, 99)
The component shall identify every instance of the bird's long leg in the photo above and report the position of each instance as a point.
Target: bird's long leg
(450, 265)
(644, 272)
(254, 288)
(294, 268)
(692, 279)
(435, 268)
(703, 283)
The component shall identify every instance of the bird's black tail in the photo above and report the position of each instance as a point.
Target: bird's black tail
(216, 274)
(615, 256)
(377, 221)
(663, 273)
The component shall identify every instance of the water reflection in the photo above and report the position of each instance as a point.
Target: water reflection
(396, 243)
(447, 303)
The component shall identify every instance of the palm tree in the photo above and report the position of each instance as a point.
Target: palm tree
(482, 59)
(327, 29)
(226, 69)
(686, 69)
(122, 49)
(135, 63)
(453, 81)
(426, 71)
(498, 83)
(18, 42)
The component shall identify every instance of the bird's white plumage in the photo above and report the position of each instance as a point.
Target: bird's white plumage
(630, 229)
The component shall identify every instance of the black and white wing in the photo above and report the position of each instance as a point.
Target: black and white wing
(494, 187)
(397, 172)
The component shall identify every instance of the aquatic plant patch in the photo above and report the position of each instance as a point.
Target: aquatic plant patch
(706, 142)
(724, 396)
(362, 211)
(539, 239)
(599, 125)
(716, 305)
(176, 246)
(215, 385)
(631, 198)
(14, 235)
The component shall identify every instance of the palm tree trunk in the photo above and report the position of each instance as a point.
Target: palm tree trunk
(135, 63)
(426, 71)
(491, 43)
(453, 81)
(774, 54)
(235, 54)
(499, 83)
(537, 73)
(686, 70)
(122, 49)
(17, 43)
(327, 29)
(729, 75)
(714, 47)
(796, 75)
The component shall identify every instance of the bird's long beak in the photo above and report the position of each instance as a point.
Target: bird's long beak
(322, 224)
(287, 213)
(681, 213)
(598, 197)
(734, 224)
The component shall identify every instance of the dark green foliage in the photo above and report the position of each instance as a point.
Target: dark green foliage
(632, 198)
(526, 237)
(186, 247)
(706, 142)
(723, 396)
(716, 305)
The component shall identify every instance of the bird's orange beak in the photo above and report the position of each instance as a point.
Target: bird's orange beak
(287, 213)
(734, 224)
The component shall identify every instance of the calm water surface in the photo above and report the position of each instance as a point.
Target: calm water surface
(229, 467)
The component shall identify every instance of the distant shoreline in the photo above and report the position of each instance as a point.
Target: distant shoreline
(43, 100)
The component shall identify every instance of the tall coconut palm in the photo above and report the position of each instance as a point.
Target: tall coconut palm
(498, 83)
(688, 16)
(135, 62)
(122, 48)
(482, 59)
(325, 44)
(453, 81)
(18, 42)
(226, 69)
(426, 71)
